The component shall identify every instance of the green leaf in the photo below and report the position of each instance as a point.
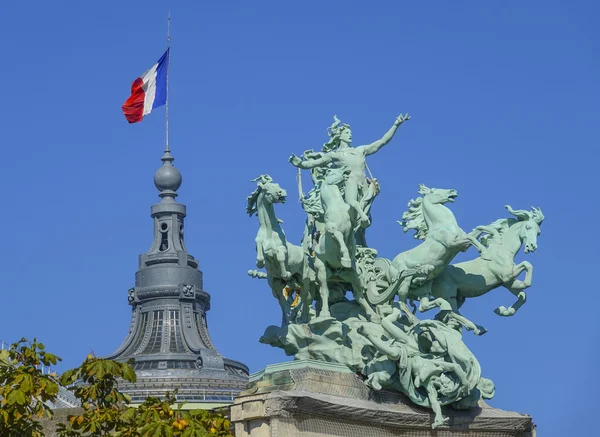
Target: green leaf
(128, 414)
(26, 383)
(69, 377)
(5, 358)
(52, 388)
(16, 396)
(51, 358)
(129, 373)
(156, 429)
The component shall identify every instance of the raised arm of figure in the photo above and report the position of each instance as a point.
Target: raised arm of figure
(369, 149)
(311, 163)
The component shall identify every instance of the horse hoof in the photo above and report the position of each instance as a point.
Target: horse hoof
(375, 385)
(374, 318)
(480, 330)
(437, 423)
(445, 306)
(504, 312)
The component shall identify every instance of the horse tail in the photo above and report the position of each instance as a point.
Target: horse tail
(257, 274)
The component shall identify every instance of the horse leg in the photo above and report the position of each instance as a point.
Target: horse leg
(404, 288)
(359, 296)
(425, 304)
(453, 317)
(345, 259)
(351, 198)
(412, 320)
(306, 299)
(364, 219)
(444, 316)
(402, 298)
(323, 288)
(277, 286)
(424, 293)
(475, 242)
(444, 287)
(460, 300)
(281, 252)
(526, 283)
(260, 255)
(470, 326)
(516, 288)
(451, 312)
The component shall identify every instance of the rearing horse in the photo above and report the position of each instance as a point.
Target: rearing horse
(495, 266)
(410, 273)
(335, 251)
(283, 261)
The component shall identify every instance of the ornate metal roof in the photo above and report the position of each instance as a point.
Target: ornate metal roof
(168, 337)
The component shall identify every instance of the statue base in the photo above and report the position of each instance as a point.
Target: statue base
(309, 398)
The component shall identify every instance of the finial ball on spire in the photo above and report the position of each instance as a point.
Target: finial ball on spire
(167, 177)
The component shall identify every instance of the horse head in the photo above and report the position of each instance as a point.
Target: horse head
(337, 175)
(270, 191)
(421, 215)
(530, 229)
(437, 196)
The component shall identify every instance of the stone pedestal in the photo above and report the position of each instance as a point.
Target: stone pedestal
(312, 398)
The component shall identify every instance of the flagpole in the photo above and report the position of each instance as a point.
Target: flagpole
(167, 98)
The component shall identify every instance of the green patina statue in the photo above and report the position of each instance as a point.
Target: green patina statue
(359, 192)
(377, 334)
(495, 266)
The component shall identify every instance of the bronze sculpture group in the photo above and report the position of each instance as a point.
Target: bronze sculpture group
(377, 333)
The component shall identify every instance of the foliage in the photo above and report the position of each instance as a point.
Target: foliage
(24, 389)
(107, 411)
(157, 418)
(96, 387)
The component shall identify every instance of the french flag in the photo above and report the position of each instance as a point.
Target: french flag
(148, 91)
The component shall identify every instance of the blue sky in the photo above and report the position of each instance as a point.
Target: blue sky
(504, 104)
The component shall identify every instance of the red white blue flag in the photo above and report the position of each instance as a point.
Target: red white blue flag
(148, 91)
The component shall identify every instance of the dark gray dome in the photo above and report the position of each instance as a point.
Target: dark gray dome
(168, 337)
